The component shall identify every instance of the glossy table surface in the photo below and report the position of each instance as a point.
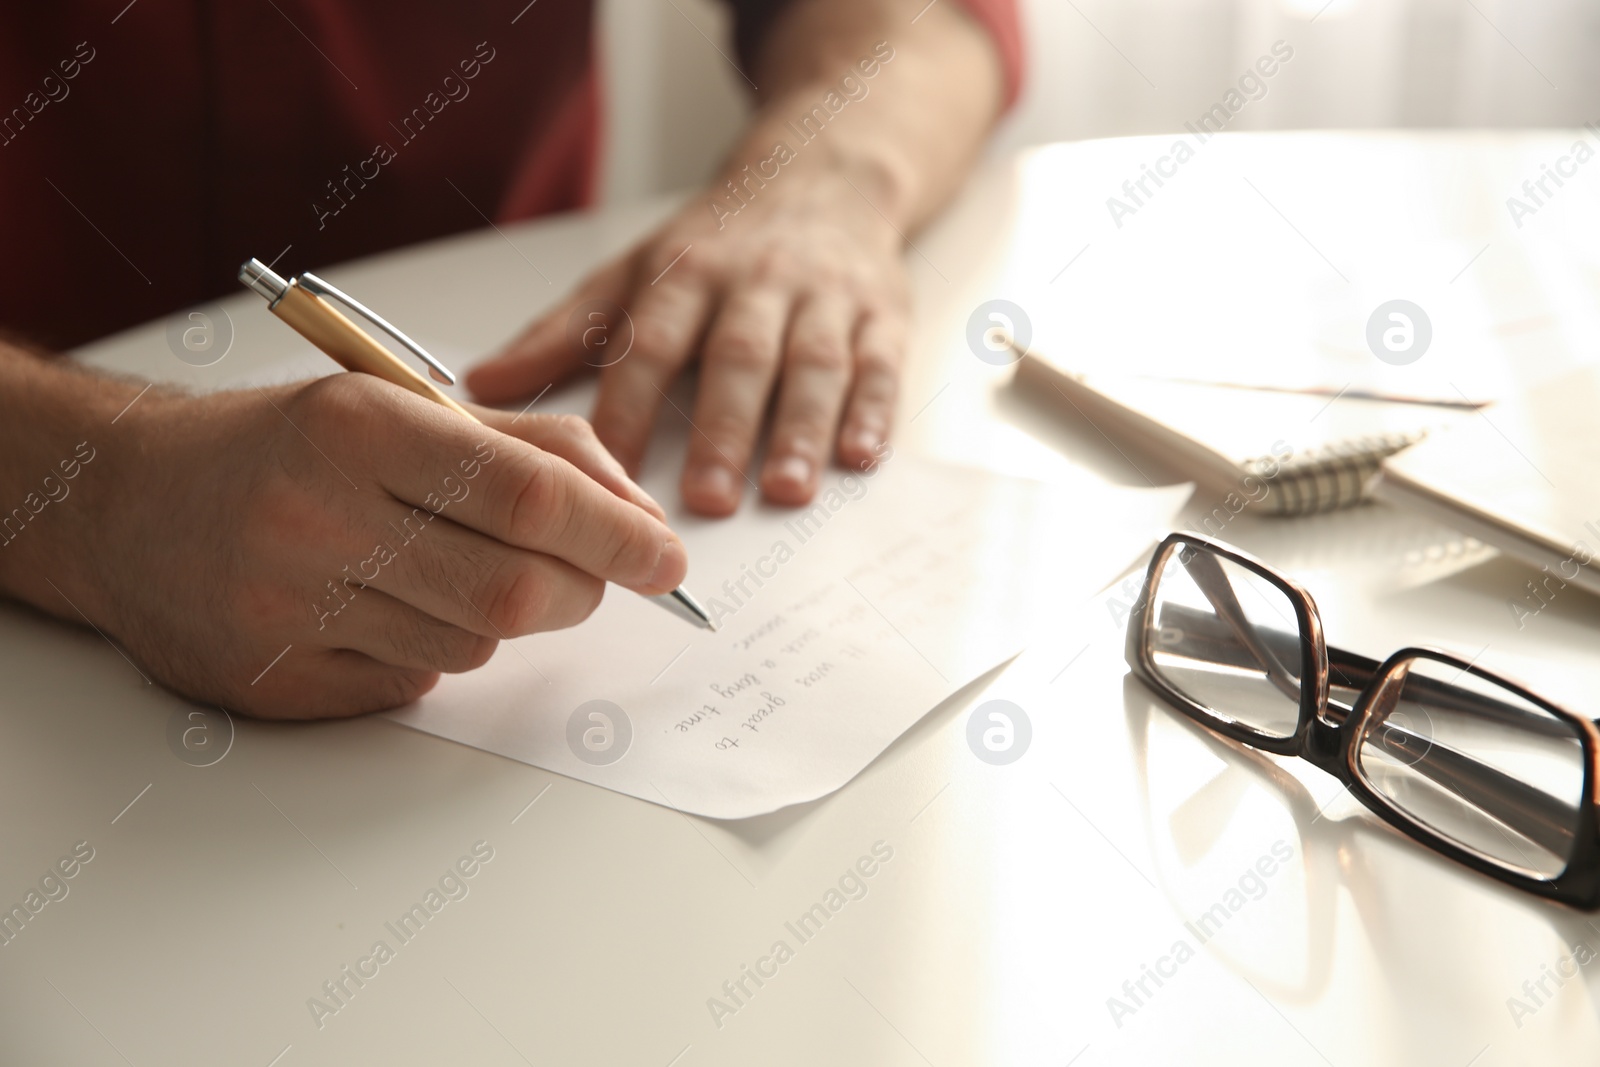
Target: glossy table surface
(1129, 891)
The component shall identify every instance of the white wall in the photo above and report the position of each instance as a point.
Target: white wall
(674, 103)
(1105, 67)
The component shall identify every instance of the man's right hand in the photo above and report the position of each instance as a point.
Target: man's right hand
(329, 548)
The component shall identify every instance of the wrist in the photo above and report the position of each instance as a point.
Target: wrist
(63, 439)
(785, 160)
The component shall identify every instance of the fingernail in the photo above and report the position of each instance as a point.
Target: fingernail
(793, 470)
(672, 565)
(715, 481)
(864, 441)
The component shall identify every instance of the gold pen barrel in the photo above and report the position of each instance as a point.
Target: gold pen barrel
(326, 327)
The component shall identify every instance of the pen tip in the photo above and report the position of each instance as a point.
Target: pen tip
(682, 596)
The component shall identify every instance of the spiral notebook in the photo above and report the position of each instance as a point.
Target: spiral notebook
(1283, 451)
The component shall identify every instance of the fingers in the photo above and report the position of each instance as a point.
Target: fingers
(393, 632)
(331, 683)
(546, 353)
(816, 374)
(879, 348)
(543, 503)
(469, 581)
(574, 440)
(441, 464)
(738, 368)
(668, 320)
(530, 499)
(429, 597)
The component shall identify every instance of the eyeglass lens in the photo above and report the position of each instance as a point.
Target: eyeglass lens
(1226, 638)
(1477, 763)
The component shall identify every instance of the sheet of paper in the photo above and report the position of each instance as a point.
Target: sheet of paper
(840, 627)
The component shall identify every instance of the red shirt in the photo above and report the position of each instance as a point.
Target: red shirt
(148, 149)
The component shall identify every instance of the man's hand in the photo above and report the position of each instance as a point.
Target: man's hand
(791, 292)
(329, 548)
(800, 296)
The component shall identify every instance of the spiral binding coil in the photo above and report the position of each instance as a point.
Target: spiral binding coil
(1330, 478)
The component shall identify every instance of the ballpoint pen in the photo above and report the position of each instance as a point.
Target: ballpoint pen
(301, 303)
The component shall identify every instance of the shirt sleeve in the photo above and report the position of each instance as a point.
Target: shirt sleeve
(999, 18)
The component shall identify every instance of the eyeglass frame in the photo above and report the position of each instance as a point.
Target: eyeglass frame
(1333, 746)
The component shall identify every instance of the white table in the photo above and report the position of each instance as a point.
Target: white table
(1018, 899)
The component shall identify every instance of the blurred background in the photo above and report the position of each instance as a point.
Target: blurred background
(1103, 68)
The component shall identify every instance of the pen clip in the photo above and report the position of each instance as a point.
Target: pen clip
(319, 287)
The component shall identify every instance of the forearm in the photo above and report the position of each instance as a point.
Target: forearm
(903, 135)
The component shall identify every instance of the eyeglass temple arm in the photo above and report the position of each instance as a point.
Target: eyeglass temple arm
(1349, 670)
(1207, 573)
(1352, 671)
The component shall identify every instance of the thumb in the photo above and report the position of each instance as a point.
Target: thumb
(588, 330)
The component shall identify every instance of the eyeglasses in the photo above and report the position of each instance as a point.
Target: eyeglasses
(1452, 755)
